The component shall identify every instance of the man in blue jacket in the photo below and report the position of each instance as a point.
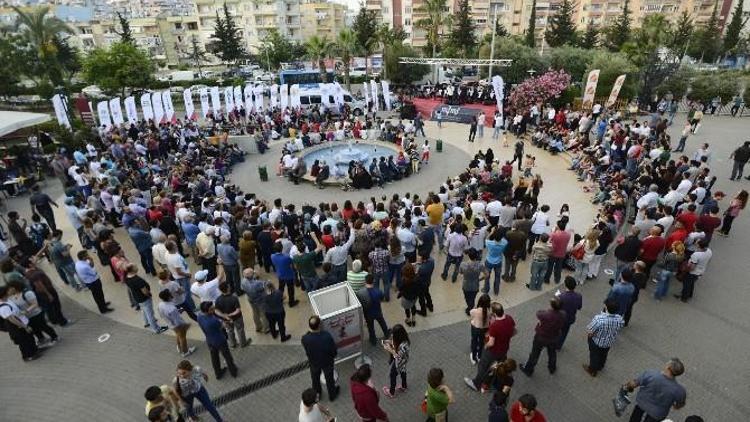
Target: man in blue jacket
(321, 352)
(216, 339)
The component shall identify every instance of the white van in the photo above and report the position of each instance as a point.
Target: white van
(312, 96)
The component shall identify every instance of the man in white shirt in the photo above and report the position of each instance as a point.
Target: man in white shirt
(17, 325)
(684, 187)
(207, 291)
(649, 200)
(493, 211)
(697, 264)
(477, 207)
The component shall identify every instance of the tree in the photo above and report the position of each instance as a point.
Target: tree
(705, 87)
(706, 41)
(680, 36)
(676, 84)
(437, 17)
(388, 38)
(277, 49)
(501, 30)
(400, 73)
(646, 51)
(196, 54)
(573, 60)
(530, 35)
(560, 27)
(732, 35)
(120, 66)
(346, 46)
(126, 35)
(462, 36)
(611, 65)
(318, 50)
(40, 32)
(523, 58)
(365, 27)
(11, 67)
(544, 87)
(619, 33)
(228, 46)
(590, 38)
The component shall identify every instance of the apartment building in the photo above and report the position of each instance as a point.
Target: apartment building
(323, 19)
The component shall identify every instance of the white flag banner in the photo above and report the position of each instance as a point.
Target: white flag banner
(229, 98)
(615, 91)
(339, 93)
(498, 87)
(115, 110)
(60, 112)
(366, 90)
(386, 94)
(215, 100)
(294, 96)
(375, 102)
(274, 96)
(324, 93)
(248, 94)
(166, 99)
(284, 96)
(238, 98)
(205, 105)
(102, 109)
(158, 105)
(131, 111)
(146, 107)
(590, 91)
(258, 96)
(187, 99)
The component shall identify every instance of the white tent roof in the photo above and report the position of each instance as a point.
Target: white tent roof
(11, 121)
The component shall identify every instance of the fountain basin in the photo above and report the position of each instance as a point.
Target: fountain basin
(339, 154)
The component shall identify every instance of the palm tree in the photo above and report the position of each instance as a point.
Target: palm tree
(318, 49)
(437, 17)
(346, 45)
(40, 30)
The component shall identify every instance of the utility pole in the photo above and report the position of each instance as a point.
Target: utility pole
(492, 43)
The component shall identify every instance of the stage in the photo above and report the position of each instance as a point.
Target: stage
(454, 113)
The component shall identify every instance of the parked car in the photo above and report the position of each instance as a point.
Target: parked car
(93, 91)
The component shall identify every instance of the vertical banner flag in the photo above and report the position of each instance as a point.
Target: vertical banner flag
(166, 100)
(60, 112)
(102, 109)
(590, 91)
(386, 94)
(339, 96)
(158, 106)
(248, 94)
(238, 98)
(131, 111)
(148, 110)
(215, 100)
(366, 90)
(375, 102)
(497, 86)
(229, 98)
(274, 96)
(258, 95)
(187, 99)
(284, 96)
(294, 96)
(615, 91)
(205, 105)
(116, 111)
(324, 93)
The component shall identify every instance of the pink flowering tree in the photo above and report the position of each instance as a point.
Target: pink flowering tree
(542, 88)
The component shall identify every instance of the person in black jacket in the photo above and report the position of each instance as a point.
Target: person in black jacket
(321, 352)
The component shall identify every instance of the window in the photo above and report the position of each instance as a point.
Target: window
(347, 98)
(193, 26)
(288, 20)
(315, 99)
(385, 10)
(481, 21)
(178, 25)
(407, 9)
(407, 21)
(304, 100)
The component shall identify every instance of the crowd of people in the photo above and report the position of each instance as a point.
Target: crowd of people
(168, 188)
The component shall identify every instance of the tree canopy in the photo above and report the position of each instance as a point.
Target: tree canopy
(619, 33)
(126, 34)
(572, 60)
(561, 29)
(705, 87)
(120, 66)
(228, 45)
(403, 73)
(529, 36)
(732, 35)
(462, 37)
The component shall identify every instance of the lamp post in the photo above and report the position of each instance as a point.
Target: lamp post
(492, 43)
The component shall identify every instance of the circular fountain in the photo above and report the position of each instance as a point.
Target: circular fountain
(339, 154)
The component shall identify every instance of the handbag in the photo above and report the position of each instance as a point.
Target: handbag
(621, 401)
(578, 252)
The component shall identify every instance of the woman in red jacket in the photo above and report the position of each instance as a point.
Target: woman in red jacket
(365, 396)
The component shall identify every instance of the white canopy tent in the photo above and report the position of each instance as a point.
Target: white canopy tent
(11, 121)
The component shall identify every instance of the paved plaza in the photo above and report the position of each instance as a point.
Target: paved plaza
(84, 379)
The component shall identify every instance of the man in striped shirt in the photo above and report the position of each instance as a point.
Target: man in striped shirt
(602, 332)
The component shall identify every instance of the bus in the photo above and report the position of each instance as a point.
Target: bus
(302, 77)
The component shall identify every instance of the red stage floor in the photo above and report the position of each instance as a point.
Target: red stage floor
(426, 106)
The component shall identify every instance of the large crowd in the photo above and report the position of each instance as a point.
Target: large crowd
(168, 187)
